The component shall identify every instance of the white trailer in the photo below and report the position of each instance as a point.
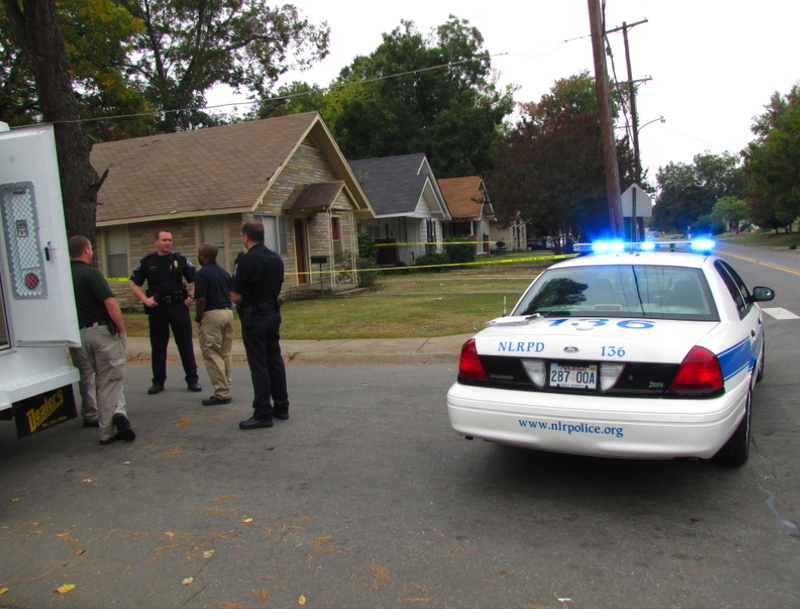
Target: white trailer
(38, 319)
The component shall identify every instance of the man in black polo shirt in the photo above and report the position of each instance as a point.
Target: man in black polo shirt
(213, 312)
(256, 288)
(101, 356)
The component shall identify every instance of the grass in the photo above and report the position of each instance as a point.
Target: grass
(417, 305)
(756, 239)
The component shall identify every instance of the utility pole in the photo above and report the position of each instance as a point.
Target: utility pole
(636, 226)
(606, 120)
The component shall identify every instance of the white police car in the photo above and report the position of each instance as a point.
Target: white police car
(637, 350)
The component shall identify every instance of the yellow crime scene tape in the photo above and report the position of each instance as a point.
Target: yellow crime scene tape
(424, 266)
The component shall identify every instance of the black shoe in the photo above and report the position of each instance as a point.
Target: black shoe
(195, 387)
(91, 423)
(123, 426)
(155, 389)
(283, 416)
(113, 438)
(215, 401)
(254, 423)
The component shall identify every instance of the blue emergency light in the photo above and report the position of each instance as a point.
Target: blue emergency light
(618, 247)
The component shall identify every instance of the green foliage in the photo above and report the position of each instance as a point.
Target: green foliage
(708, 224)
(366, 278)
(731, 210)
(192, 45)
(97, 36)
(459, 250)
(367, 247)
(688, 192)
(549, 167)
(772, 162)
(450, 112)
(432, 261)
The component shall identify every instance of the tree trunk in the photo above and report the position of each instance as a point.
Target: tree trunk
(35, 25)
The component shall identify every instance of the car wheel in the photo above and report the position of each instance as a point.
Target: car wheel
(760, 373)
(737, 449)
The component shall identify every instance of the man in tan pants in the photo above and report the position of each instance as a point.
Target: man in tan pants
(101, 357)
(213, 313)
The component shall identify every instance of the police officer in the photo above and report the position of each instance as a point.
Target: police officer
(256, 288)
(101, 356)
(167, 303)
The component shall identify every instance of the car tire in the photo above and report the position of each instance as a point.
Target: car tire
(737, 449)
(761, 362)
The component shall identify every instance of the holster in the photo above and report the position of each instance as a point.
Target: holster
(246, 316)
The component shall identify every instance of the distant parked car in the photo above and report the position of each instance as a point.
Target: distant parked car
(539, 244)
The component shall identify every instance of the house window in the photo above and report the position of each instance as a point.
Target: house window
(117, 252)
(336, 234)
(431, 227)
(274, 232)
(212, 230)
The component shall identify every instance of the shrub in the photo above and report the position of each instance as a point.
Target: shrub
(366, 246)
(432, 259)
(368, 278)
(459, 250)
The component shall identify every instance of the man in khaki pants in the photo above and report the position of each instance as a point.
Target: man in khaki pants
(213, 313)
(101, 357)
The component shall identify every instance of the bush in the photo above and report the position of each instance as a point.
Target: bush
(459, 250)
(366, 246)
(432, 259)
(366, 279)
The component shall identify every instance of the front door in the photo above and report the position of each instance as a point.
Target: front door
(300, 250)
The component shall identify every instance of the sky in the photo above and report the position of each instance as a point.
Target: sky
(713, 64)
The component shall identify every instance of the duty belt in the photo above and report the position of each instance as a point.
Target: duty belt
(175, 298)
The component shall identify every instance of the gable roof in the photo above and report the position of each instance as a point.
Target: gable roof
(395, 184)
(461, 195)
(209, 171)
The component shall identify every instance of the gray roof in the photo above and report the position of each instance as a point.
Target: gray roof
(393, 184)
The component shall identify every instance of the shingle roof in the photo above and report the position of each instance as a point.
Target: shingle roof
(460, 194)
(218, 168)
(392, 183)
(314, 196)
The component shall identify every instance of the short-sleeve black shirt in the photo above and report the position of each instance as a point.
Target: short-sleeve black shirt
(258, 276)
(91, 290)
(212, 282)
(164, 274)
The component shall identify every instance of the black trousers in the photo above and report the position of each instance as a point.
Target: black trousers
(162, 318)
(267, 371)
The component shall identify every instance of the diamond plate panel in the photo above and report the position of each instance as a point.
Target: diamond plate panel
(21, 231)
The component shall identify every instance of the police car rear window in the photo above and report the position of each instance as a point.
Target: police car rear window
(662, 292)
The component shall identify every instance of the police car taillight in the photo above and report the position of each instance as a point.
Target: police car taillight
(469, 365)
(699, 371)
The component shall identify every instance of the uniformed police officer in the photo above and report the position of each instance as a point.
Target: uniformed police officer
(167, 303)
(256, 288)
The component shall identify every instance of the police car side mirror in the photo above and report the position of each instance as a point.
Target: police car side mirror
(762, 294)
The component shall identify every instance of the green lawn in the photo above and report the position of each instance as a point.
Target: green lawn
(417, 305)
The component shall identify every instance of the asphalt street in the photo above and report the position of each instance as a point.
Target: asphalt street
(367, 498)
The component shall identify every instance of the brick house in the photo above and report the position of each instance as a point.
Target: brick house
(409, 207)
(203, 185)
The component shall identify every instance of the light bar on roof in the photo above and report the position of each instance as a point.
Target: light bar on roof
(616, 247)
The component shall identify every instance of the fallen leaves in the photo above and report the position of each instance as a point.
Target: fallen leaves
(224, 498)
(187, 581)
(65, 588)
(301, 600)
(183, 422)
(247, 520)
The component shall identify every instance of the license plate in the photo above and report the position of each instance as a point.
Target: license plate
(573, 377)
